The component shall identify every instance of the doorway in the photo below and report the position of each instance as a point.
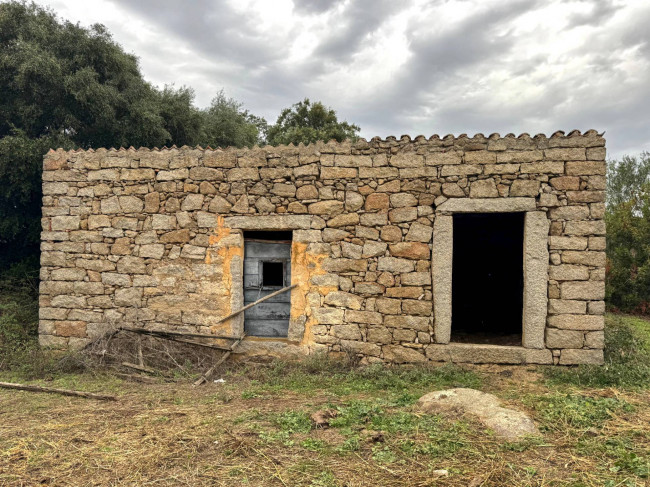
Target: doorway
(267, 268)
(487, 278)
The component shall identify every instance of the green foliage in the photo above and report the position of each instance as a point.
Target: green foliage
(293, 422)
(628, 234)
(226, 123)
(627, 358)
(562, 411)
(401, 384)
(308, 122)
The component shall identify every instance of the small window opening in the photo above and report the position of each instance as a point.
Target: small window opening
(272, 274)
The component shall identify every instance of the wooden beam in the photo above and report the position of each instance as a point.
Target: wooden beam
(141, 368)
(249, 306)
(52, 390)
(145, 331)
(206, 376)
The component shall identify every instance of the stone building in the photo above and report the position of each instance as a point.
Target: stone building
(481, 249)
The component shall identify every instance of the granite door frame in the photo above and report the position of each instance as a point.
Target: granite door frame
(535, 263)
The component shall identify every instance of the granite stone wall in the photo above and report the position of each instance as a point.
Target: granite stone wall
(153, 238)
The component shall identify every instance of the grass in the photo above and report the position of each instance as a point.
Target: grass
(255, 429)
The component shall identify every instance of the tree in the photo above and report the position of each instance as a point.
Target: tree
(628, 234)
(308, 122)
(62, 85)
(626, 178)
(225, 123)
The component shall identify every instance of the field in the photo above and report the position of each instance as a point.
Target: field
(255, 428)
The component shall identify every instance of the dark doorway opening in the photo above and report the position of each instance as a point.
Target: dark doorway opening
(488, 278)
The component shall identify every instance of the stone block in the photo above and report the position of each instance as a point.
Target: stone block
(401, 215)
(345, 265)
(338, 173)
(416, 279)
(577, 322)
(567, 243)
(327, 207)
(128, 297)
(399, 354)
(585, 257)
(379, 335)
(419, 233)
(568, 272)
(595, 339)
(68, 274)
(589, 227)
(410, 250)
(328, 316)
(444, 158)
(344, 220)
(566, 306)
(483, 188)
(70, 328)
(412, 292)
(63, 223)
(418, 323)
(556, 338)
(399, 200)
(284, 190)
(365, 317)
(524, 187)
(152, 251)
(586, 168)
(394, 264)
(364, 348)
(346, 332)
(520, 156)
(417, 307)
(344, 300)
(571, 356)
(374, 249)
(389, 306)
(131, 265)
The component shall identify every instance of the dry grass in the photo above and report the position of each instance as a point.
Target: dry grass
(253, 432)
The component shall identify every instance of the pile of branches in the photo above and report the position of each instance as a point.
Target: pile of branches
(141, 354)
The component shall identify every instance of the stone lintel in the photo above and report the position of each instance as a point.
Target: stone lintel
(487, 205)
(269, 222)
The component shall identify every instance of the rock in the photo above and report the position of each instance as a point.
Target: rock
(508, 424)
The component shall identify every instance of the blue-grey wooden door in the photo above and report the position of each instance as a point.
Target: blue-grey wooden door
(267, 268)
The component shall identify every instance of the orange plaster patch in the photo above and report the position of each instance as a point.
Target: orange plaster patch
(223, 257)
(304, 266)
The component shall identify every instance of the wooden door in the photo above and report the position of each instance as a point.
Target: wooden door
(267, 268)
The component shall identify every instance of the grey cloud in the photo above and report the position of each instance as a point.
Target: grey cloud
(315, 6)
(352, 26)
(601, 11)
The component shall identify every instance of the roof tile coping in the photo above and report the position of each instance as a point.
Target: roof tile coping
(357, 144)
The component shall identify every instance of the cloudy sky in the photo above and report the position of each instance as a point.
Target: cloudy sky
(403, 67)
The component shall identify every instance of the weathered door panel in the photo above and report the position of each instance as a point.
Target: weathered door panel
(270, 318)
(267, 328)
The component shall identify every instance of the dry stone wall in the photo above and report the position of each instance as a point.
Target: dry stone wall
(153, 238)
